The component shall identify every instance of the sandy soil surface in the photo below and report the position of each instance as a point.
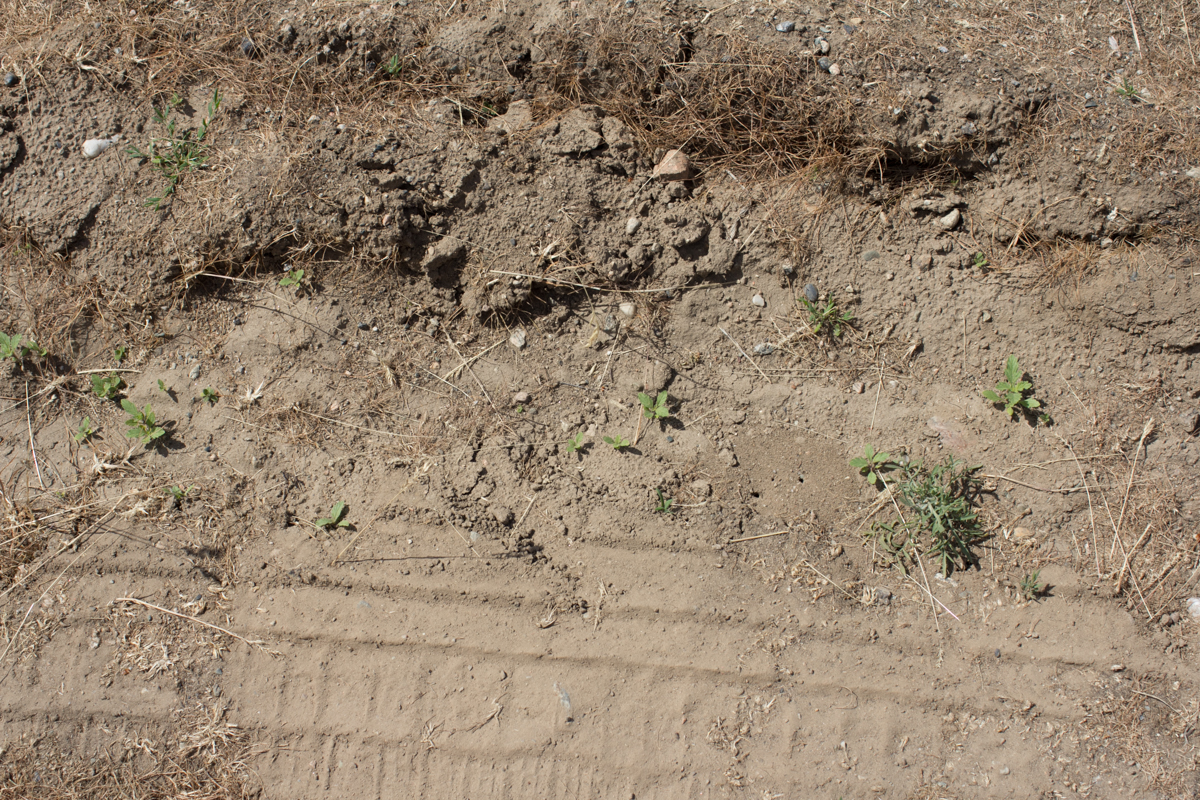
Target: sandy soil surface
(458, 400)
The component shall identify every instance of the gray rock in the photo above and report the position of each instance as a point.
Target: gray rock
(632, 226)
(1190, 421)
(520, 398)
(789, 269)
(764, 349)
(810, 293)
(824, 63)
(951, 220)
(248, 48)
(10, 79)
(195, 373)
(758, 301)
(822, 45)
(610, 323)
(870, 255)
(786, 27)
(517, 339)
(728, 458)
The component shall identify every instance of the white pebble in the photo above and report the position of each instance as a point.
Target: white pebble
(628, 309)
(94, 147)
(631, 227)
(758, 301)
(951, 220)
(517, 339)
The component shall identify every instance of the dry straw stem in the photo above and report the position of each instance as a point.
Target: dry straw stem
(255, 643)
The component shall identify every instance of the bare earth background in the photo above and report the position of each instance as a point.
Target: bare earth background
(491, 271)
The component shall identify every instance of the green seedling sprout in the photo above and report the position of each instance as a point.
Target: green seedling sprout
(86, 431)
(1031, 587)
(141, 423)
(295, 277)
(617, 443)
(17, 348)
(576, 443)
(873, 464)
(336, 518)
(654, 407)
(106, 386)
(1014, 392)
(828, 318)
(664, 503)
(176, 154)
(209, 396)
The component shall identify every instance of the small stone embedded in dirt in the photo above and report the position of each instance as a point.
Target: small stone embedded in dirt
(883, 595)
(610, 323)
(628, 309)
(870, 255)
(195, 373)
(788, 269)
(986, 316)
(673, 167)
(824, 63)
(1190, 421)
(764, 349)
(248, 48)
(517, 339)
(836, 551)
(520, 398)
(503, 515)
(835, 69)
(10, 79)
(951, 220)
(728, 457)
(1193, 607)
(700, 488)
(758, 301)
(857, 387)
(810, 292)
(786, 27)
(1023, 533)
(822, 45)
(94, 147)
(631, 227)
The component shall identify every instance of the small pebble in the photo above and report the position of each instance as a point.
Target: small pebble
(195, 373)
(764, 349)
(786, 27)
(758, 301)
(834, 69)
(94, 147)
(670, 439)
(870, 255)
(10, 79)
(810, 293)
(857, 387)
(986, 316)
(631, 227)
(247, 48)
(362, 326)
(517, 339)
(824, 63)
(997, 652)
(628, 309)
(822, 45)
(951, 220)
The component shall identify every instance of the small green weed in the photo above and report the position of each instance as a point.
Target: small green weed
(209, 396)
(664, 503)
(938, 518)
(86, 431)
(178, 493)
(119, 353)
(142, 424)
(336, 518)
(18, 349)
(617, 443)
(107, 386)
(177, 154)
(654, 407)
(576, 443)
(1128, 90)
(162, 387)
(873, 464)
(1031, 586)
(828, 318)
(295, 277)
(394, 66)
(1014, 392)
(980, 261)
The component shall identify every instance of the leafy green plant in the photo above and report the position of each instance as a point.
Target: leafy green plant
(18, 348)
(295, 277)
(178, 493)
(664, 503)
(86, 431)
(394, 66)
(654, 407)
(576, 443)
(935, 515)
(119, 353)
(336, 518)
(1128, 90)
(617, 443)
(980, 260)
(177, 153)
(873, 464)
(209, 396)
(1031, 586)
(828, 318)
(1014, 392)
(162, 387)
(107, 386)
(141, 423)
